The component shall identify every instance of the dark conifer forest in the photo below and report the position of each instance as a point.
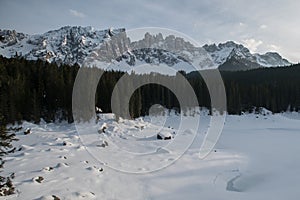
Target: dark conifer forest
(35, 90)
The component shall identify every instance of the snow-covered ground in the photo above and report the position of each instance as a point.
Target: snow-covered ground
(257, 157)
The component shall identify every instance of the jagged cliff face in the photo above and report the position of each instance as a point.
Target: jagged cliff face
(70, 45)
(123, 54)
(171, 50)
(10, 38)
(67, 45)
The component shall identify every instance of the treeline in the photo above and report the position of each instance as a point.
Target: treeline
(276, 89)
(31, 90)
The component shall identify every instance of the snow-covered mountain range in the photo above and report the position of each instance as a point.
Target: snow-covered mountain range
(67, 45)
(73, 44)
(232, 56)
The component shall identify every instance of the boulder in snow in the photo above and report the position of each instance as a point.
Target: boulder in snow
(164, 135)
(27, 131)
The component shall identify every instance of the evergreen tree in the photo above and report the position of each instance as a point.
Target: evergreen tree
(6, 186)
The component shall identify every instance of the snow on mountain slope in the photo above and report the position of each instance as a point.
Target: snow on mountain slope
(70, 45)
(155, 51)
(271, 59)
(225, 51)
(67, 45)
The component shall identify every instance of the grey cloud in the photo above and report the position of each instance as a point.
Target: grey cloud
(272, 22)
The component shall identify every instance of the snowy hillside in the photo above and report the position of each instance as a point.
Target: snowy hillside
(256, 157)
(72, 45)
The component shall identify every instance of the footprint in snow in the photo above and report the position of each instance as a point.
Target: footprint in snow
(80, 148)
(47, 169)
(66, 143)
(59, 165)
(87, 195)
(49, 197)
(63, 157)
(25, 148)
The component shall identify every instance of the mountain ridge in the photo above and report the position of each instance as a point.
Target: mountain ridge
(73, 44)
(227, 54)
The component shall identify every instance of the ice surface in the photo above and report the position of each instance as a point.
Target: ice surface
(257, 157)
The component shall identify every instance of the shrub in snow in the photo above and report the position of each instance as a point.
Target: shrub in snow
(6, 186)
(15, 129)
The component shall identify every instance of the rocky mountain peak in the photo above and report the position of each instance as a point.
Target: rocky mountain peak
(74, 44)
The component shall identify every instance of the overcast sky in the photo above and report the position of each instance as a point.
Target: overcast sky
(261, 25)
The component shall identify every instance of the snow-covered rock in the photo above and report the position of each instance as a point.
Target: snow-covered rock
(164, 135)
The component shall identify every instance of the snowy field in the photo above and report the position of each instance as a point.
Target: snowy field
(257, 157)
